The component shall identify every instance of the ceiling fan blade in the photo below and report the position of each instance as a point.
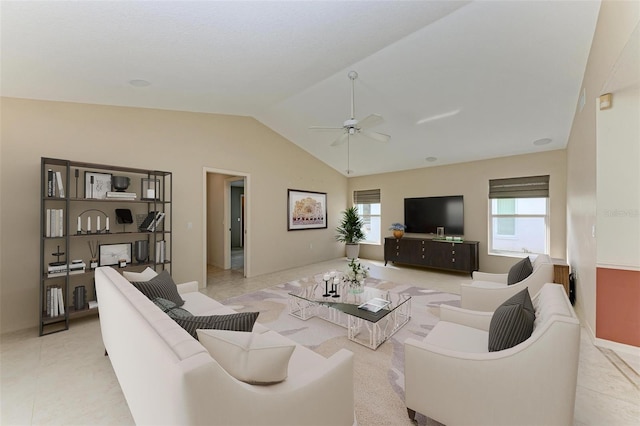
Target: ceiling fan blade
(370, 121)
(326, 129)
(342, 139)
(380, 137)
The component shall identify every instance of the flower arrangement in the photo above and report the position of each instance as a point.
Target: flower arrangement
(397, 227)
(355, 275)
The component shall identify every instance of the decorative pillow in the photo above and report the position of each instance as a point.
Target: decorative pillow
(145, 275)
(170, 308)
(162, 286)
(236, 322)
(520, 271)
(255, 358)
(512, 322)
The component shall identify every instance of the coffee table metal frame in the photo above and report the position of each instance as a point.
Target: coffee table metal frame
(363, 327)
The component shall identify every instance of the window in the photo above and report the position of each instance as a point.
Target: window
(519, 215)
(368, 204)
(505, 221)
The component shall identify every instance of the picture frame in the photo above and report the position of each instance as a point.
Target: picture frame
(306, 210)
(96, 185)
(150, 184)
(111, 254)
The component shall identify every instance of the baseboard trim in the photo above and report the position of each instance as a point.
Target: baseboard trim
(618, 347)
(603, 343)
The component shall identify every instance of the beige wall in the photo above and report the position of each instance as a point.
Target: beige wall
(618, 182)
(472, 181)
(616, 22)
(181, 142)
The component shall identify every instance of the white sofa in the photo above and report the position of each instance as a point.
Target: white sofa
(169, 378)
(451, 377)
(487, 291)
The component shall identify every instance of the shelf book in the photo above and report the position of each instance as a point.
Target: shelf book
(54, 226)
(55, 301)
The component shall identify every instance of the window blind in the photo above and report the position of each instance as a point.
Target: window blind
(521, 187)
(368, 196)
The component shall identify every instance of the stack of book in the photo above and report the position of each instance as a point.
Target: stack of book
(56, 270)
(55, 301)
(122, 195)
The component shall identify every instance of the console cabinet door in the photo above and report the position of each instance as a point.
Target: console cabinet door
(460, 257)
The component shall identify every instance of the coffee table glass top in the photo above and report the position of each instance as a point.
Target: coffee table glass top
(344, 300)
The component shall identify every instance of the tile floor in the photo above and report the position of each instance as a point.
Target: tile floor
(65, 379)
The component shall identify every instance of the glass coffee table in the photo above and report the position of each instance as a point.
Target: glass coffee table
(367, 328)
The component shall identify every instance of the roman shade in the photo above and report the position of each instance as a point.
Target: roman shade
(521, 187)
(368, 196)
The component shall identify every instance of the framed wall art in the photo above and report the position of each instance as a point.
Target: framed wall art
(114, 254)
(96, 185)
(306, 210)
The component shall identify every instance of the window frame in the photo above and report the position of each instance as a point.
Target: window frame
(516, 216)
(367, 217)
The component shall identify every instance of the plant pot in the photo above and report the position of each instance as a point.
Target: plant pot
(353, 250)
(398, 233)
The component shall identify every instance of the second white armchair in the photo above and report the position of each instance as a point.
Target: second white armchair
(488, 291)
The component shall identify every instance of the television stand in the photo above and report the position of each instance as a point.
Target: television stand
(459, 256)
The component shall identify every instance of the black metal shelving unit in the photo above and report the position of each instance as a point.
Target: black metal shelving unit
(74, 244)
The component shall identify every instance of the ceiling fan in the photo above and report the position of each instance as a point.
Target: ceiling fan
(353, 127)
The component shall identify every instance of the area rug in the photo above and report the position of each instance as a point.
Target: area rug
(379, 374)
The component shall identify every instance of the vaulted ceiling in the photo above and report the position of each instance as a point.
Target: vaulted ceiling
(455, 81)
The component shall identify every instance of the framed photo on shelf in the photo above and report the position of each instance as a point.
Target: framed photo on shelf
(113, 254)
(96, 185)
(306, 210)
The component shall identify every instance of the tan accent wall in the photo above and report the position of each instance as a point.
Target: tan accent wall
(181, 142)
(616, 22)
(472, 181)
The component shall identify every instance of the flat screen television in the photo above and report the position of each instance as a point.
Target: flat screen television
(425, 214)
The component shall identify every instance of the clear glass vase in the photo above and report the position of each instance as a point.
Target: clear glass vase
(356, 287)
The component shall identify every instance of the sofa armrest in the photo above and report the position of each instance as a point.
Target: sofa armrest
(211, 393)
(474, 319)
(485, 276)
(188, 287)
(483, 298)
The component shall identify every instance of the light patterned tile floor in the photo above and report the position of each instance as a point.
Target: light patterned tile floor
(65, 379)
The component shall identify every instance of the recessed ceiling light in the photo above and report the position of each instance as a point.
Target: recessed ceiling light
(540, 142)
(431, 159)
(139, 83)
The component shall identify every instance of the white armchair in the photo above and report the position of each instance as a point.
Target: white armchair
(488, 291)
(451, 377)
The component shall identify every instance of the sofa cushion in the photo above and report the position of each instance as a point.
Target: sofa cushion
(162, 286)
(145, 275)
(254, 358)
(171, 308)
(236, 322)
(520, 271)
(512, 322)
(458, 337)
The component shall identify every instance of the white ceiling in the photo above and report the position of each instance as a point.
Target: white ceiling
(499, 74)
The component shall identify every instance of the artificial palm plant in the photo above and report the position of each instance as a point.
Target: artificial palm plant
(351, 232)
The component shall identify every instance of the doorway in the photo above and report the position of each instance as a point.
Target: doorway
(236, 223)
(225, 217)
